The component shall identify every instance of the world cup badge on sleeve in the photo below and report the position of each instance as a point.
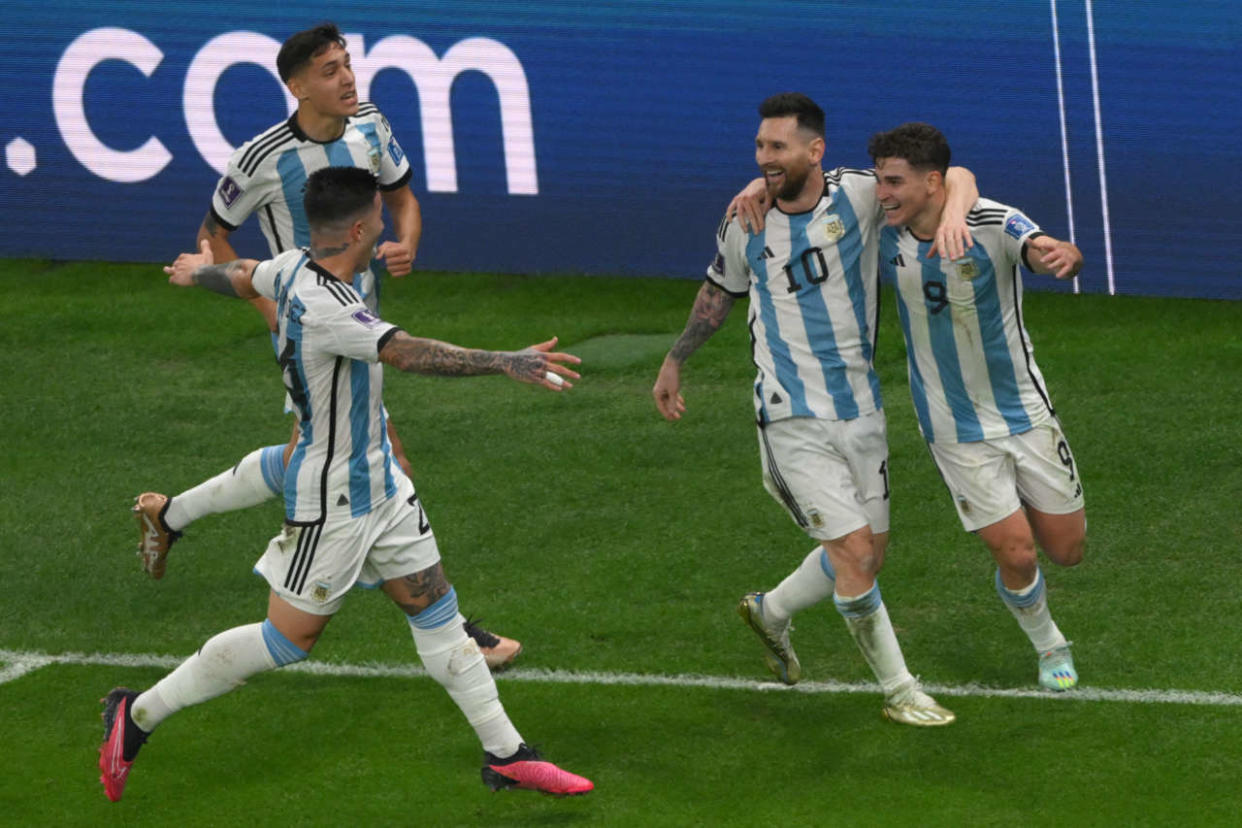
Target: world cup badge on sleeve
(229, 190)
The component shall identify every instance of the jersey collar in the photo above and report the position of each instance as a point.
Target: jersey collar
(302, 136)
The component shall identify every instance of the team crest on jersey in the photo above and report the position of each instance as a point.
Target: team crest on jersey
(967, 269)
(373, 160)
(834, 228)
(229, 191)
(1019, 225)
(815, 518)
(320, 591)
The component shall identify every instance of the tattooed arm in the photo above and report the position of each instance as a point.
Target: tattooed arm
(417, 355)
(228, 279)
(711, 307)
(217, 236)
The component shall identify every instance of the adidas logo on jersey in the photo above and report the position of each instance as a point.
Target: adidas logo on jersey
(898, 261)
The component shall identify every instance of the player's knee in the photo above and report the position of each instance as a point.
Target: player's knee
(856, 553)
(1016, 558)
(1069, 552)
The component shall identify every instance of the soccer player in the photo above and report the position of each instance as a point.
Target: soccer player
(981, 401)
(266, 176)
(351, 517)
(812, 281)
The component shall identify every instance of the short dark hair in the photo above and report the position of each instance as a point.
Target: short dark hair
(337, 194)
(303, 47)
(808, 113)
(921, 145)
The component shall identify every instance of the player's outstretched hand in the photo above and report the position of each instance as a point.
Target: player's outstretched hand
(540, 365)
(397, 257)
(751, 204)
(1063, 260)
(181, 271)
(667, 391)
(953, 237)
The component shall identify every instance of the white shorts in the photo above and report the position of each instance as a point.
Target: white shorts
(830, 475)
(312, 567)
(991, 479)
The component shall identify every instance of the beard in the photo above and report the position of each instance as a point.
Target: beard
(793, 185)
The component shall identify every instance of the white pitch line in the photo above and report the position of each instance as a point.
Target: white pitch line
(1065, 159)
(1099, 150)
(18, 663)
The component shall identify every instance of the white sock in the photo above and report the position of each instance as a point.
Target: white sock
(1030, 606)
(869, 624)
(810, 583)
(257, 478)
(220, 665)
(453, 659)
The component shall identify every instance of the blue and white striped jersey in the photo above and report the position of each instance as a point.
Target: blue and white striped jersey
(972, 368)
(814, 302)
(328, 346)
(267, 175)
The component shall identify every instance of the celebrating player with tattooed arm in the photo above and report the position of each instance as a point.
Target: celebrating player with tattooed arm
(350, 516)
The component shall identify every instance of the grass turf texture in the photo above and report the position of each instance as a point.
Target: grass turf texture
(609, 540)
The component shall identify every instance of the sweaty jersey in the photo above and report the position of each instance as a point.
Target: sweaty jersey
(814, 301)
(267, 175)
(972, 368)
(328, 345)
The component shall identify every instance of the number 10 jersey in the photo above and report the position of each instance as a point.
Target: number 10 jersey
(814, 299)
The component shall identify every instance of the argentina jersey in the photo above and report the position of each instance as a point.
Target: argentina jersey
(267, 175)
(814, 302)
(328, 345)
(972, 368)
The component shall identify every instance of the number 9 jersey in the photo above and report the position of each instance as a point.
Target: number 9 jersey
(972, 368)
(814, 303)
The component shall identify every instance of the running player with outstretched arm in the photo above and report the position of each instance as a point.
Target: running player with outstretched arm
(350, 516)
(266, 175)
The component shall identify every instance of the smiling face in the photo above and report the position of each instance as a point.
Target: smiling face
(787, 155)
(910, 197)
(325, 85)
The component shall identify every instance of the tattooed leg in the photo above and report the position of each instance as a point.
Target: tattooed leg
(415, 592)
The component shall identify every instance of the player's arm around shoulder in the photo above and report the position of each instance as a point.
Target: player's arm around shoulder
(953, 237)
(1046, 255)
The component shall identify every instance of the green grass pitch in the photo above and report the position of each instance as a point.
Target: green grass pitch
(611, 542)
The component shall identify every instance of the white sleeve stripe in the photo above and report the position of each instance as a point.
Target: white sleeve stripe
(251, 161)
(262, 138)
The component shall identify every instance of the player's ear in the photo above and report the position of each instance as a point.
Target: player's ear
(296, 87)
(934, 180)
(817, 146)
